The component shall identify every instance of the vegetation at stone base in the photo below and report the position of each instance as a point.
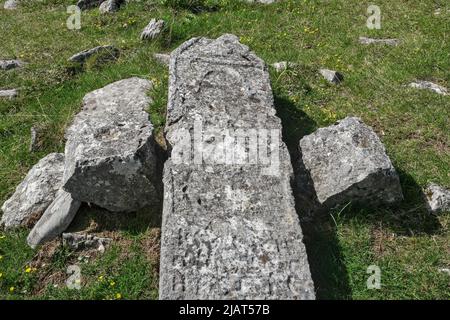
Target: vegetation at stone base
(407, 244)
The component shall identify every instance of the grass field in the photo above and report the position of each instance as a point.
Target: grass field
(408, 244)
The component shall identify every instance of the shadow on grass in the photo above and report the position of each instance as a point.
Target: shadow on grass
(330, 275)
(322, 246)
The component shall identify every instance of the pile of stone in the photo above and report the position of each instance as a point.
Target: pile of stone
(109, 161)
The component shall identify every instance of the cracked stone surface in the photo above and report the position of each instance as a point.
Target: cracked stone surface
(110, 148)
(153, 29)
(438, 198)
(230, 230)
(427, 85)
(389, 42)
(55, 220)
(35, 193)
(347, 162)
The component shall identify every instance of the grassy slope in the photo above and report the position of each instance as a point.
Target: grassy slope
(408, 245)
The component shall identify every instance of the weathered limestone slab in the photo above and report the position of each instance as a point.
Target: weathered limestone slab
(230, 229)
(152, 30)
(55, 220)
(331, 75)
(427, 85)
(10, 64)
(108, 52)
(35, 193)
(347, 162)
(438, 198)
(389, 42)
(110, 148)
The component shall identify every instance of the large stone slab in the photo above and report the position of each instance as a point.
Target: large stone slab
(110, 148)
(230, 229)
(35, 193)
(55, 220)
(347, 162)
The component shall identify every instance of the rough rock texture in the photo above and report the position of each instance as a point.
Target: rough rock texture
(331, 76)
(110, 149)
(162, 58)
(10, 64)
(438, 198)
(8, 93)
(153, 29)
(35, 193)
(347, 162)
(11, 4)
(108, 53)
(55, 219)
(88, 4)
(427, 85)
(283, 65)
(389, 42)
(111, 6)
(230, 231)
(77, 241)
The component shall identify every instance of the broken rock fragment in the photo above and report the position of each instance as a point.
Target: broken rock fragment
(8, 93)
(230, 229)
(108, 53)
(427, 85)
(153, 29)
(82, 241)
(35, 193)
(111, 6)
(438, 198)
(110, 149)
(331, 76)
(162, 58)
(10, 64)
(347, 162)
(55, 220)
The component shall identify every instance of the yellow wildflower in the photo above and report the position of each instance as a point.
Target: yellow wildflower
(28, 270)
(11, 289)
(118, 296)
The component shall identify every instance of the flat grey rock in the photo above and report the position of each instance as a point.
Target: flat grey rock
(89, 4)
(108, 52)
(110, 148)
(283, 65)
(438, 198)
(230, 229)
(11, 4)
(347, 162)
(55, 220)
(162, 58)
(109, 6)
(331, 76)
(8, 93)
(389, 42)
(35, 193)
(152, 30)
(83, 241)
(427, 85)
(10, 64)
